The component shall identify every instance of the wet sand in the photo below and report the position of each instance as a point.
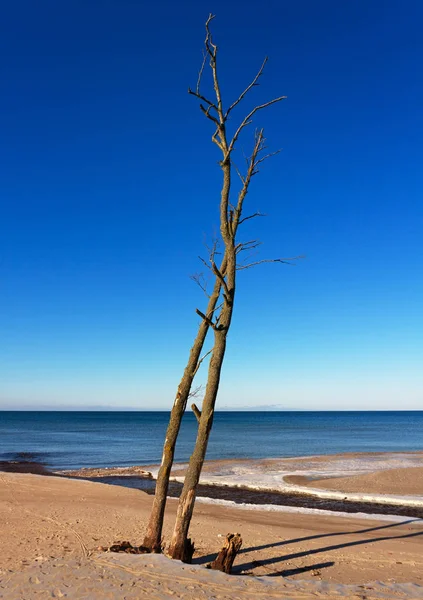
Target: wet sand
(23, 466)
(242, 496)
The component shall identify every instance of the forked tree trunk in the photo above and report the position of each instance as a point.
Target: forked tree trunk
(153, 537)
(179, 548)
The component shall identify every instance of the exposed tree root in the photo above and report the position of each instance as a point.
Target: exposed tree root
(126, 547)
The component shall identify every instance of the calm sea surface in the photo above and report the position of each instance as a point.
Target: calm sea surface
(76, 439)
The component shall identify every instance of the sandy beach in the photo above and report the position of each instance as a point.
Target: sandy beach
(51, 529)
(404, 482)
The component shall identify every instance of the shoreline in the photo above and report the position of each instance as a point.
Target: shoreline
(302, 484)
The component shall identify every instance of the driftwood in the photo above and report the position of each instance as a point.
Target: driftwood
(225, 559)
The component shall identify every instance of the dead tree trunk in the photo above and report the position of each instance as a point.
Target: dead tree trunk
(153, 537)
(225, 559)
(179, 548)
(230, 218)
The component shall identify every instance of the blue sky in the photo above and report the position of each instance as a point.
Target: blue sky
(109, 187)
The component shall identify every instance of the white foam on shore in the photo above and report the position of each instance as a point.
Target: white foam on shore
(154, 470)
(414, 501)
(270, 474)
(309, 511)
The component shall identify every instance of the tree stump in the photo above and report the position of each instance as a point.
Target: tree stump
(225, 559)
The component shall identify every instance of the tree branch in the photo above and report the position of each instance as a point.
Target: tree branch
(238, 172)
(206, 111)
(197, 92)
(200, 74)
(246, 246)
(286, 261)
(206, 319)
(200, 280)
(211, 49)
(202, 98)
(247, 89)
(259, 139)
(256, 214)
(205, 263)
(263, 158)
(208, 41)
(195, 392)
(248, 120)
(201, 360)
(219, 276)
(196, 411)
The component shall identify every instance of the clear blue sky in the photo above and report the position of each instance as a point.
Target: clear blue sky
(109, 185)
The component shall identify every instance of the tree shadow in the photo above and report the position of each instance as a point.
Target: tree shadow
(325, 535)
(312, 551)
(246, 566)
(290, 572)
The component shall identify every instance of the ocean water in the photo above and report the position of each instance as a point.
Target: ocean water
(68, 440)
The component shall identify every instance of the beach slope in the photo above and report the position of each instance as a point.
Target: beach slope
(51, 529)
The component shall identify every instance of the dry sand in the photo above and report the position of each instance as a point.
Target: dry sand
(51, 528)
(403, 482)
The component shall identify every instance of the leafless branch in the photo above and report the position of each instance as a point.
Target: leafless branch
(197, 92)
(263, 158)
(213, 252)
(210, 47)
(200, 280)
(247, 120)
(200, 74)
(259, 139)
(202, 98)
(256, 214)
(247, 89)
(216, 141)
(213, 249)
(286, 261)
(206, 111)
(219, 276)
(195, 392)
(219, 136)
(205, 263)
(238, 172)
(218, 307)
(247, 246)
(201, 360)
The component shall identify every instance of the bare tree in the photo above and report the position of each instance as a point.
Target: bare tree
(219, 312)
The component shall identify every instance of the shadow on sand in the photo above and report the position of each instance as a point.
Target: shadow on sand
(267, 562)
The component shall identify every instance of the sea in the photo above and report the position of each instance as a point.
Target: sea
(71, 440)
